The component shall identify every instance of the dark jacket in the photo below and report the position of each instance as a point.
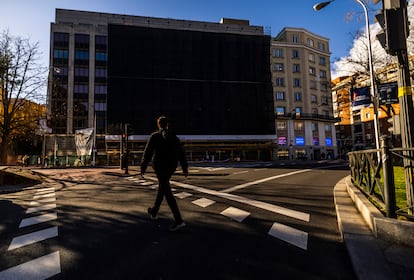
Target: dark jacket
(164, 149)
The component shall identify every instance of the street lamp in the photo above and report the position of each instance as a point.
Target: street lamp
(322, 5)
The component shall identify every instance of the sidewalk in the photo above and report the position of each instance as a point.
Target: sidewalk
(374, 252)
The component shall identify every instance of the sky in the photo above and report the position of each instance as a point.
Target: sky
(337, 22)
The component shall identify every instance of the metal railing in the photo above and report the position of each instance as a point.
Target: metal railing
(372, 171)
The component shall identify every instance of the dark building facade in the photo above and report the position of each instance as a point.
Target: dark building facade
(212, 80)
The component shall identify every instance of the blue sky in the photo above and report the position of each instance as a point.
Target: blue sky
(32, 18)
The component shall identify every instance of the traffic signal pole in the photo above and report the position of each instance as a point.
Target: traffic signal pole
(405, 99)
(396, 30)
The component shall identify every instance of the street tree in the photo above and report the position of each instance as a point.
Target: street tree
(21, 84)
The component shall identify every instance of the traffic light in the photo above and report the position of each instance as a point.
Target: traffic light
(395, 28)
(394, 125)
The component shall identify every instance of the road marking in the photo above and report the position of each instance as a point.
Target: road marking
(240, 172)
(235, 214)
(182, 195)
(258, 204)
(41, 208)
(44, 195)
(51, 189)
(290, 235)
(38, 202)
(203, 202)
(33, 237)
(38, 219)
(40, 268)
(263, 180)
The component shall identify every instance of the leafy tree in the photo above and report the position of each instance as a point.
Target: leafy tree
(21, 81)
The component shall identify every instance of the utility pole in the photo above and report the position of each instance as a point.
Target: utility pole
(394, 21)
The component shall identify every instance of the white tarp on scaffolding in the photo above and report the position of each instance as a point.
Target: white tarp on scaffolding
(84, 141)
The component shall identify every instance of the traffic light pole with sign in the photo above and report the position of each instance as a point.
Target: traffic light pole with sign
(393, 38)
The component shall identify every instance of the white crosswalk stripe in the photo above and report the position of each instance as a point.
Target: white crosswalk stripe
(46, 266)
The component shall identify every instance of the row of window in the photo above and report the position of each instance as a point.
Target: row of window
(299, 125)
(310, 42)
(84, 88)
(278, 52)
(280, 67)
(280, 82)
(281, 111)
(281, 96)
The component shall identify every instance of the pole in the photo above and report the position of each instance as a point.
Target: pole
(371, 76)
(389, 187)
(406, 118)
(126, 149)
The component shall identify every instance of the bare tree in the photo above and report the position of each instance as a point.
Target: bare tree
(21, 81)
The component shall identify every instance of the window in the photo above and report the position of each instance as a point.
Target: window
(310, 42)
(324, 100)
(80, 88)
(81, 72)
(100, 89)
(100, 107)
(278, 67)
(101, 56)
(295, 39)
(81, 55)
(312, 84)
(314, 98)
(280, 82)
(322, 74)
(314, 126)
(295, 54)
(324, 87)
(296, 82)
(311, 57)
(101, 72)
(281, 125)
(328, 127)
(298, 125)
(322, 60)
(280, 111)
(312, 71)
(321, 46)
(298, 96)
(278, 53)
(296, 68)
(314, 112)
(280, 95)
(60, 53)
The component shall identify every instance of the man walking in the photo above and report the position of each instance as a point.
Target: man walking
(164, 148)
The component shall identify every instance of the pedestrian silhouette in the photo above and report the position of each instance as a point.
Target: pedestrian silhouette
(165, 150)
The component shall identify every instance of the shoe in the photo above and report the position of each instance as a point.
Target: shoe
(152, 217)
(177, 226)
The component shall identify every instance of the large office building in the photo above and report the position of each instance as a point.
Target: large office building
(300, 65)
(212, 80)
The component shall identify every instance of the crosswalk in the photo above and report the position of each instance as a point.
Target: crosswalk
(42, 210)
(288, 234)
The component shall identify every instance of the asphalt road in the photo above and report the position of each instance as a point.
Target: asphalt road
(244, 221)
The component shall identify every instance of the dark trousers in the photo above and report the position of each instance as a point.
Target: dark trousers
(164, 189)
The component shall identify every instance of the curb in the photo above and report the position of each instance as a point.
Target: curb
(392, 230)
(366, 256)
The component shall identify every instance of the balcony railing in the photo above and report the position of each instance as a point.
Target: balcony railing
(305, 116)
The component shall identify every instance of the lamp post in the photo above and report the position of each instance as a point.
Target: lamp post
(374, 96)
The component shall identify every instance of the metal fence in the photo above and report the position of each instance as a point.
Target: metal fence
(372, 171)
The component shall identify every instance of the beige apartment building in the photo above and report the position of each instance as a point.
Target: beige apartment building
(300, 67)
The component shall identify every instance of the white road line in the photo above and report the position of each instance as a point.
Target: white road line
(235, 214)
(33, 237)
(45, 190)
(182, 195)
(259, 204)
(240, 172)
(38, 202)
(40, 268)
(41, 208)
(45, 195)
(290, 235)
(38, 219)
(263, 180)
